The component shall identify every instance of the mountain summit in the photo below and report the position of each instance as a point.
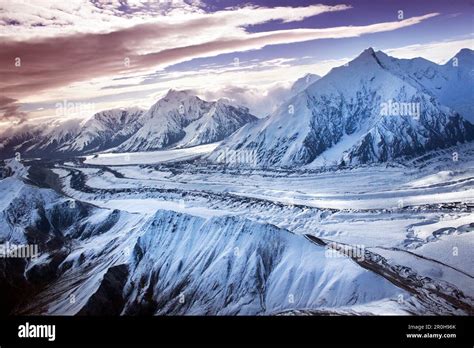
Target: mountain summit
(375, 109)
(181, 119)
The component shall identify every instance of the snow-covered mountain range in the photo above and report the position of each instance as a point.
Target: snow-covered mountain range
(172, 240)
(102, 131)
(179, 119)
(114, 262)
(164, 232)
(105, 130)
(375, 109)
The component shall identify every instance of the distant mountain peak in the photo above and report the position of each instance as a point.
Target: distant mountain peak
(368, 50)
(175, 93)
(369, 56)
(465, 53)
(182, 119)
(303, 82)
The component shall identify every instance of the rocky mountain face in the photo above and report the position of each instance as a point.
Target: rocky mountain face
(112, 262)
(178, 120)
(375, 109)
(105, 130)
(181, 119)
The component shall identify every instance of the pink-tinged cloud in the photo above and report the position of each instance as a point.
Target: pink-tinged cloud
(9, 108)
(57, 62)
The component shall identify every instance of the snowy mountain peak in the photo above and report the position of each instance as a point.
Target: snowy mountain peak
(369, 56)
(118, 115)
(368, 60)
(174, 94)
(303, 82)
(465, 56)
(368, 51)
(342, 118)
(182, 119)
(181, 102)
(105, 130)
(465, 52)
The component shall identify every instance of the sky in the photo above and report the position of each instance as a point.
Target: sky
(101, 54)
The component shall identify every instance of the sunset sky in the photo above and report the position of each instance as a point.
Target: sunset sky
(129, 53)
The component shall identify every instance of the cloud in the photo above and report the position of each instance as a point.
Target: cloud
(103, 40)
(9, 108)
(257, 84)
(52, 63)
(261, 101)
(50, 18)
(44, 62)
(438, 52)
(259, 40)
(25, 19)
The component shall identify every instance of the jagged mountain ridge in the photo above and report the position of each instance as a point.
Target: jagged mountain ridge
(117, 263)
(338, 120)
(105, 130)
(102, 131)
(181, 119)
(451, 83)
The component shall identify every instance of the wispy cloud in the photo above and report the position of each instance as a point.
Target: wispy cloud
(103, 40)
(57, 62)
(50, 18)
(10, 109)
(438, 52)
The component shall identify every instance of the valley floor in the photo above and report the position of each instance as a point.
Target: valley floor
(382, 239)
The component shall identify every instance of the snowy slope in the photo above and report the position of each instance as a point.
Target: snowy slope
(105, 130)
(452, 83)
(102, 131)
(346, 102)
(303, 82)
(55, 135)
(230, 265)
(55, 227)
(240, 243)
(19, 139)
(41, 139)
(181, 119)
(115, 262)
